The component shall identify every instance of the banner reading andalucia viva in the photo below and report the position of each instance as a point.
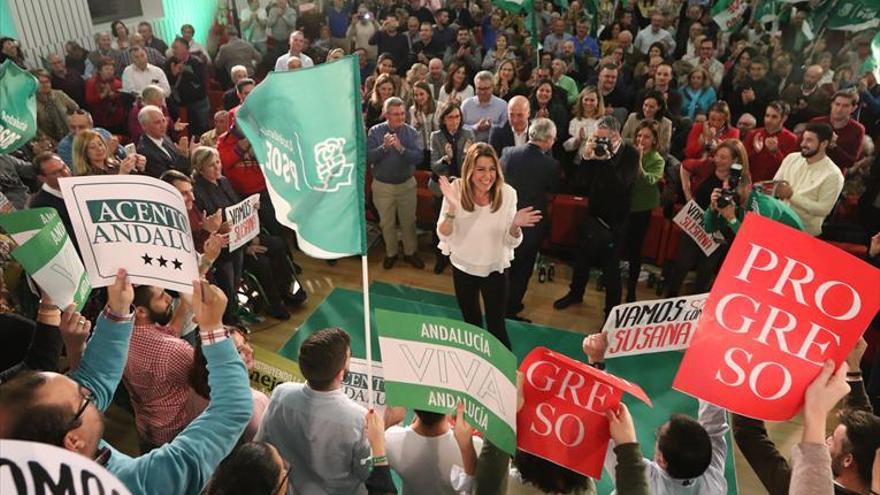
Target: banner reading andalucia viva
(18, 106)
(46, 253)
(307, 132)
(134, 222)
(433, 363)
(784, 302)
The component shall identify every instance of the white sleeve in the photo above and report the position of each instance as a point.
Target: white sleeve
(510, 212)
(714, 420)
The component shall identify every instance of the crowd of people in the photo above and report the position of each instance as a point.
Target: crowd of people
(640, 107)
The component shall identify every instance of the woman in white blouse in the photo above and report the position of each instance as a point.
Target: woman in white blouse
(456, 87)
(588, 109)
(479, 228)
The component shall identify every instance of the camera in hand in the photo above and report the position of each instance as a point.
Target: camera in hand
(603, 145)
(728, 194)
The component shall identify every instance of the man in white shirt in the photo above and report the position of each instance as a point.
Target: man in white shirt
(483, 110)
(141, 74)
(423, 454)
(315, 426)
(809, 181)
(653, 34)
(297, 43)
(253, 20)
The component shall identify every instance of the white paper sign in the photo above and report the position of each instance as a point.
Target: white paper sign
(134, 222)
(31, 467)
(690, 219)
(658, 325)
(244, 221)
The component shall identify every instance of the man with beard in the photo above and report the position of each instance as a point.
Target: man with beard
(809, 181)
(159, 362)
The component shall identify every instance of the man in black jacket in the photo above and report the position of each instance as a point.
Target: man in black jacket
(534, 173)
(608, 173)
(162, 154)
(516, 131)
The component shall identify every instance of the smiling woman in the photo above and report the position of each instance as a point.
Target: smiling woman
(479, 229)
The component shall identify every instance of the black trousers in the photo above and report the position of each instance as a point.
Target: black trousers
(523, 265)
(493, 289)
(636, 228)
(690, 255)
(600, 246)
(271, 269)
(227, 276)
(267, 215)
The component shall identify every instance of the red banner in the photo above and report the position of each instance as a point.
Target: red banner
(783, 303)
(563, 415)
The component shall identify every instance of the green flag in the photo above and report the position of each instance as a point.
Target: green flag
(592, 8)
(513, 6)
(433, 363)
(18, 106)
(728, 14)
(846, 15)
(46, 253)
(767, 11)
(307, 132)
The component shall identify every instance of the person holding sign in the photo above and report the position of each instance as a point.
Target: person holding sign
(479, 229)
(851, 444)
(66, 410)
(689, 454)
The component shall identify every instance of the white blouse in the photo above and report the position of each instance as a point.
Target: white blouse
(462, 95)
(480, 242)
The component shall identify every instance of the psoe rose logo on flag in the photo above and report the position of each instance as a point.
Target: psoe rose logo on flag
(134, 222)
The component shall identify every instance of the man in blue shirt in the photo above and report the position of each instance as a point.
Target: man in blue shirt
(583, 41)
(79, 121)
(394, 149)
(66, 411)
(483, 110)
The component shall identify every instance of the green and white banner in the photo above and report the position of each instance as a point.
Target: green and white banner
(18, 106)
(728, 14)
(514, 6)
(432, 363)
(844, 15)
(307, 132)
(47, 255)
(134, 222)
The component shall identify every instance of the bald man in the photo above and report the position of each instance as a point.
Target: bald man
(809, 99)
(516, 131)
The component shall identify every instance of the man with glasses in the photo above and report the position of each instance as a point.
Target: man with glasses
(67, 410)
(483, 110)
(48, 167)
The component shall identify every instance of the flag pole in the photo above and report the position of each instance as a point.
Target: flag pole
(365, 276)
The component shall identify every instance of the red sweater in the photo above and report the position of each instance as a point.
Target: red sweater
(106, 112)
(762, 163)
(243, 172)
(849, 142)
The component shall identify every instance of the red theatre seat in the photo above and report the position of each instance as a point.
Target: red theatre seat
(568, 213)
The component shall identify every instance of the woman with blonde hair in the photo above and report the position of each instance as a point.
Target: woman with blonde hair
(588, 109)
(507, 83)
(479, 229)
(727, 153)
(698, 95)
(91, 156)
(335, 54)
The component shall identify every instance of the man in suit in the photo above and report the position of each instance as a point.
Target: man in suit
(162, 154)
(515, 131)
(534, 173)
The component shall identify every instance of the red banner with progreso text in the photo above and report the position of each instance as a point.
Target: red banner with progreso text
(563, 414)
(783, 303)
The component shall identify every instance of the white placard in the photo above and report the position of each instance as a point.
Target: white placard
(690, 219)
(134, 222)
(244, 221)
(31, 467)
(659, 325)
